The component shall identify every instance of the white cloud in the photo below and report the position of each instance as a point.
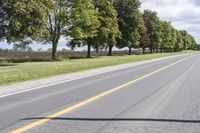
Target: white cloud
(184, 14)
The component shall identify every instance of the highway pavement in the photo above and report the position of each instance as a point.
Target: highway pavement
(157, 97)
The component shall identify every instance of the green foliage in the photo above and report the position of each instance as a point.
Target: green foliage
(20, 19)
(179, 44)
(58, 22)
(108, 32)
(192, 43)
(145, 41)
(130, 22)
(185, 39)
(168, 36)
(22, 46)
(153, 24)
(84, 23)
(84, 20)
(188, 41)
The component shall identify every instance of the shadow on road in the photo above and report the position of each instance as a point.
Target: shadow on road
(118, 119)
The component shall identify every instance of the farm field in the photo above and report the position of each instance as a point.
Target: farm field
(46, 56)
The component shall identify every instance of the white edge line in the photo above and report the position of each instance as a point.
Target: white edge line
(52, 84)
(77, 78)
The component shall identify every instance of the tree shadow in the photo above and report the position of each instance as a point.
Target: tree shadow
(6, 65)
(76, 57)
(118, 119)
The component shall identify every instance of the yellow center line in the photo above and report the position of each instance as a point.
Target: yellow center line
(92, 99)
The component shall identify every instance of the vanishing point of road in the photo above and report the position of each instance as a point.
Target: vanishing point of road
(158, 97)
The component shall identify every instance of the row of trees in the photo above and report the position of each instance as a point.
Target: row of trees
(94, 23)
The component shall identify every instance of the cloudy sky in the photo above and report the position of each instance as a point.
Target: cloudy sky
(184, 15)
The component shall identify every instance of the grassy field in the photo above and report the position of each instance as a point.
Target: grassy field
(18, 57)
(17, 72)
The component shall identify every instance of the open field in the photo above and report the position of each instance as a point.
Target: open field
(16, 72)
(46, 56)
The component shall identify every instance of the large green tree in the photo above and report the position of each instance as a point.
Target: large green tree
(84, 23)
(192, 44)
(153, 25)
(179, 43)
(130, 22)
(166, 36)
(185, 39)
(58, 22)
(20, 19)
(173, 38)
(144, 42)
(108, 32)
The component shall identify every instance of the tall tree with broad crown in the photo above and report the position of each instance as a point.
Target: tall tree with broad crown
(130, 22)
(153, 26)
(21, 19)
(58, 22)
(108, 32)
(84, 23)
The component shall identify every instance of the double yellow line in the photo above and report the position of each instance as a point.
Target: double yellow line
(92, 99)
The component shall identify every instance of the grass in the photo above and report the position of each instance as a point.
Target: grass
(17, 72)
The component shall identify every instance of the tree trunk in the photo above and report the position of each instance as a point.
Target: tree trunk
(156, 50)
(97, 50)
(54, 50)
(151, 50)
(175, 49)
(143, 50)
(130, 51)
(89, 51)
(110, 50)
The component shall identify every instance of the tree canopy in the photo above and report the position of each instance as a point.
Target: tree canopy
(108, 32)
(84, 22)
(20, 19)
(58, 22)
(131, 23)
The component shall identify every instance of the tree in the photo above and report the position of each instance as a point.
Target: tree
(144, 42)
(84, 23)
(179, 44)
(108, 32)
(153, 25)
(185, 39)
(192, 43)
(22, 46)
(20, 19)
(167, 36)
(130, 22)
(58, 22)
(173, 39)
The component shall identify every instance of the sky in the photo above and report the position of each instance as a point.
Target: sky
(183, 14)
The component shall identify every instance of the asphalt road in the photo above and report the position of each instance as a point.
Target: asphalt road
(157, 97)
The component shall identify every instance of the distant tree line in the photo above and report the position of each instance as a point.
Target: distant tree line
(96, 24)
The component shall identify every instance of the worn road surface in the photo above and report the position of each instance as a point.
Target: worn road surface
(157, 97)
